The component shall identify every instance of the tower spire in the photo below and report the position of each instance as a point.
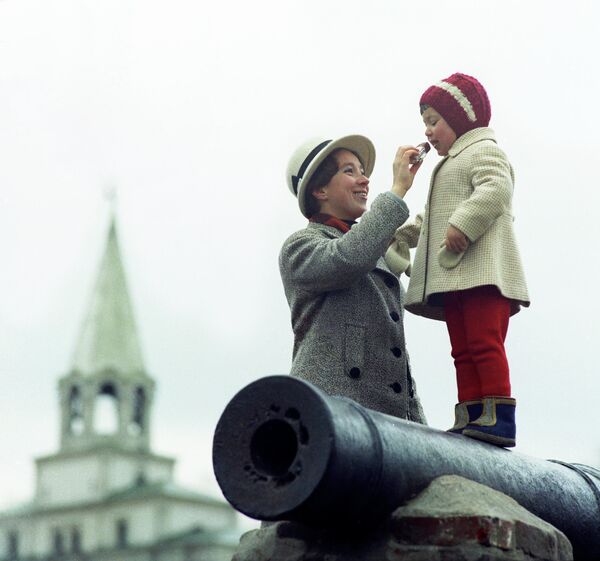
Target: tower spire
(107, 374)
(108, 339)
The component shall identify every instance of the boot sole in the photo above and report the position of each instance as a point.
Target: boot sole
(455, 431)
(490, 438)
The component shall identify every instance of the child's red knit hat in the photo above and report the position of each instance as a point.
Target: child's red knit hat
(461, 100)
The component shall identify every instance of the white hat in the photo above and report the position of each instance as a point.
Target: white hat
(307, 158)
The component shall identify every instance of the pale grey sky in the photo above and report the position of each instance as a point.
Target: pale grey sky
(191, 109)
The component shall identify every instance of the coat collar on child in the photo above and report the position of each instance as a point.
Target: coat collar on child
(470, 137)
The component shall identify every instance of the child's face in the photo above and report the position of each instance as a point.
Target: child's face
(438, 132)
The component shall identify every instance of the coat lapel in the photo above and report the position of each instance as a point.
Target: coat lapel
(471, 137)
(331, 231)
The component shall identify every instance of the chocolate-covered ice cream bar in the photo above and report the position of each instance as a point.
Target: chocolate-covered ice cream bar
(423, 148)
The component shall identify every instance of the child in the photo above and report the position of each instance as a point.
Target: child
(467, 270)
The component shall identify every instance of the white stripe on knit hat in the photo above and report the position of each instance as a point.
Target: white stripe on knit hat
(460, 97)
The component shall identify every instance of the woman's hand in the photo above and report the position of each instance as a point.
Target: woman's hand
(404, 170)
(456, 241)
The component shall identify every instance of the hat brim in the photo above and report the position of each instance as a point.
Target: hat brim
(356, 143)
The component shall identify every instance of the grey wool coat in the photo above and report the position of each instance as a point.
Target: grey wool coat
(471, 188)
(346, 308)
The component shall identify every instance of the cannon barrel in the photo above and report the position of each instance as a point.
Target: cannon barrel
(284, 450)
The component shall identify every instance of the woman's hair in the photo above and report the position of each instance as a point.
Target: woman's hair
(321, 177)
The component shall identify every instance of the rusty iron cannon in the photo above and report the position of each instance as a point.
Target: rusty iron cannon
(284, 450)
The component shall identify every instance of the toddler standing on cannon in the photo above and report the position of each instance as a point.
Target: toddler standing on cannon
(467, 270)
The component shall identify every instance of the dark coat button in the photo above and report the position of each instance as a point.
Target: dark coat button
(354, 372)
(397, 352)
(396, 387)
(395, 316)
(390, 282)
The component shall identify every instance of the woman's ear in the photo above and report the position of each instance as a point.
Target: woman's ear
(320, 193)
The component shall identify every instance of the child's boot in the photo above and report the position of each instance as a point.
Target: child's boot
(496, 424)
(465, 412)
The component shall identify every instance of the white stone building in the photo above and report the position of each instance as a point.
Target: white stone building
(104, 495)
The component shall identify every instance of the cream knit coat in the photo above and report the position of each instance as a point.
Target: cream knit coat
(471, 188)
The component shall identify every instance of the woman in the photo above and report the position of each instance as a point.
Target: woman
(345, 302)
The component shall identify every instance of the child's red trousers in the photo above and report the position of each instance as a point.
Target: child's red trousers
(477, 321)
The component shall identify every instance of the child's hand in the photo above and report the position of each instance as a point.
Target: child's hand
(456, 241)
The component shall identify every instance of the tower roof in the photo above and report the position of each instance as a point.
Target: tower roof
(108, 338)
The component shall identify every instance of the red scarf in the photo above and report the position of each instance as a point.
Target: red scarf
(328, 220)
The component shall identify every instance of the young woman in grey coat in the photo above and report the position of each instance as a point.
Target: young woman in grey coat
(345, 302)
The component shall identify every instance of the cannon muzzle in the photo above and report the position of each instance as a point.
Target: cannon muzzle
(285, 450)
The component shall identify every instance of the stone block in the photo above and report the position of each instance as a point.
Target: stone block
(454, 519)
(269, 544)
(454, 513)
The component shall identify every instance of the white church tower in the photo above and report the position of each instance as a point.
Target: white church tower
(104, 490)
(105, 402)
